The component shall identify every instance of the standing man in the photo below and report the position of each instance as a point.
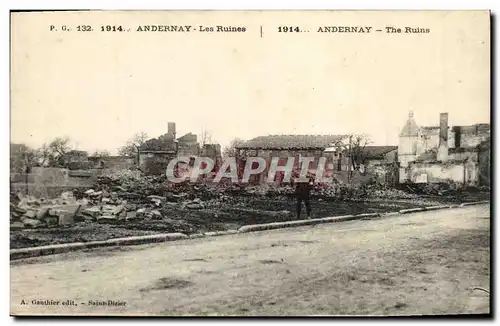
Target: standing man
(302, 192)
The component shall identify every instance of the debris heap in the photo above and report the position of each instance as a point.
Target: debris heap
(125, 197)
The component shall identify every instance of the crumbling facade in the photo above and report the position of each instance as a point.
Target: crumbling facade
(114, 163)
(433, 154)
(484, 162)
(379, 163)
(156, 153)
(285, 146)
(367, 156)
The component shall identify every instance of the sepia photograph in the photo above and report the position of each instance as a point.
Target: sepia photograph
(250, 163)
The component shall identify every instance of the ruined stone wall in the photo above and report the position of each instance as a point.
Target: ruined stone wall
(429, 139)
(50, 182)
(188, 138)
(357, 178)
(391, 157)
(155, 163)
(403, 174)
(435, 172)
(283, 155)
(114, 163)
(212, 151)
(472, 136)
(468, 137)
(462, 155)
(484, 166)
(383, 173)
(188, 149)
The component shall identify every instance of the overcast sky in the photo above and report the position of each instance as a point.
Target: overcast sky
(99, 89)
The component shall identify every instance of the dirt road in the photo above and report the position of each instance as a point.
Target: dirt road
(423, 263)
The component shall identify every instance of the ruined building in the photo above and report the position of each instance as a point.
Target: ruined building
(156, 153)
(378, 162)
(285, 146)
(430, 154)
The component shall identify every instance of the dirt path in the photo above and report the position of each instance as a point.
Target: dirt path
(424, 263)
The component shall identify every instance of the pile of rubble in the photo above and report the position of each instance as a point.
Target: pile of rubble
(380, 191)
(341, 191)
(95, 206)
(449, 188)
(122, 197)
(110, 203)
(30, 212)
(134, 187)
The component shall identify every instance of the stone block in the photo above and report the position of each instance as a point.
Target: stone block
(30, 214)
(155, 214)
(133, 216)
(154, 197)
(56, 210)
(107, 219)
(112, 209)
(92, 211)
(42, 212)
(67, 195)
(66, 219)
(51, 220)
(16, 226)
(32, 223)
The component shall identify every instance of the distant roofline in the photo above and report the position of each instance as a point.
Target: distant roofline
(160, 152)
(373, 146)
(248, 144)
(282, 148)
(473, 125)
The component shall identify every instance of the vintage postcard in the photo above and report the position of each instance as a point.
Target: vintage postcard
(250, 163)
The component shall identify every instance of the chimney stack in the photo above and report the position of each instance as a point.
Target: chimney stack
(171, 129)
(442, 154)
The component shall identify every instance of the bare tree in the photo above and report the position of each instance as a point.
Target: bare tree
(23, 158)
(205, 137)
(60, 146)
(131, 148)
(231, 149)
(45, 154)
(57, 150)
(353, 147)
(52, 154)
(101, 153)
